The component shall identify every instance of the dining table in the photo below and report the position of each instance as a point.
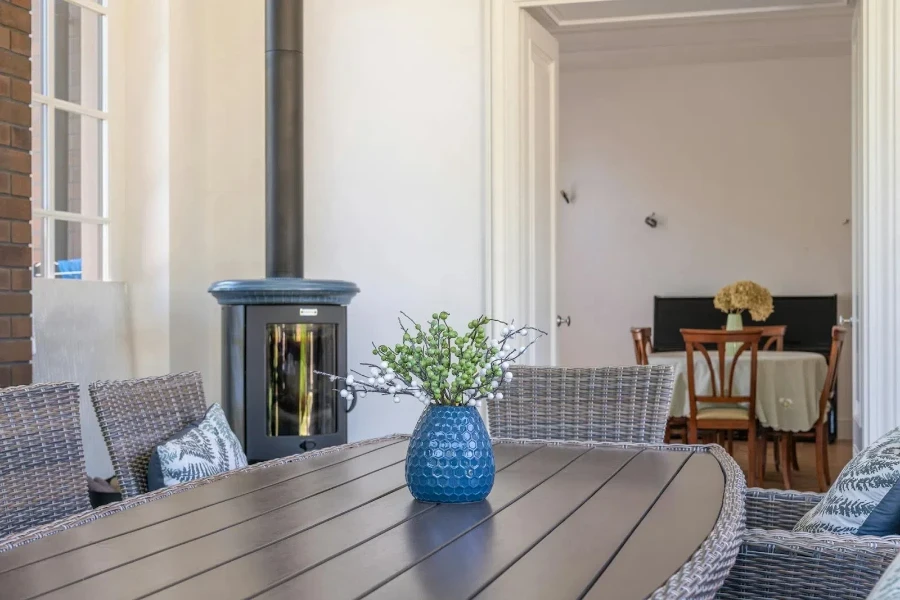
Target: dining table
(788, 384)
(563, 520)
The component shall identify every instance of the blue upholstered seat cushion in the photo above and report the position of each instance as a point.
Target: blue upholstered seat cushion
(865, 497)
(200, 450)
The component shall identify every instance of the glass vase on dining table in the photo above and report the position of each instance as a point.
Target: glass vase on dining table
(735, 322)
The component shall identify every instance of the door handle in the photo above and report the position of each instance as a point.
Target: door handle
(850, 321)
(560, 321)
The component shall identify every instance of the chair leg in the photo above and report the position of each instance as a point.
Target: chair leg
(692, 432)
(777, 447)
(730, 438)
(763, 444)
(667, 437)
(752, 458)
(784, 440)
(822, 459)
(794, 463)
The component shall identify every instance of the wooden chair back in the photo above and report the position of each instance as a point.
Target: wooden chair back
(774, 336)
(643, 346)
(722, 371)
(838, 334)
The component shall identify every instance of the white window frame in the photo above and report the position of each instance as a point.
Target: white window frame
(48, 103)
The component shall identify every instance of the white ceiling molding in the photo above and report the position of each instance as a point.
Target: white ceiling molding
(600, 13)
(687, 55)
(759, 38)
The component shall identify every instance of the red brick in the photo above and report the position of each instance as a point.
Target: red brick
(5, 37)
(20, 374)
(21, 185)
(20, 43)
(5, 328)
(5, 376)
(20, 232)
(21, 138)
(5, 86)
(15, 160)
(21, 327)
(15, 17)
(14, 256)
(15, 113)
(15, 303)
(15, 64)
(21, 279)
(26, 4)
(5, 230)
(21, 90)
(5, 179)
(15, 208)
(5, 135)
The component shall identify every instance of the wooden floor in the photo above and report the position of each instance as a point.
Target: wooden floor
(839, 454)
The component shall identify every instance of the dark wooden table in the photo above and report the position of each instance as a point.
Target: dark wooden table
(562, 521)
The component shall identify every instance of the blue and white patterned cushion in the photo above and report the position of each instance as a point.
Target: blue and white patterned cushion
(208, 449)
(865, 498)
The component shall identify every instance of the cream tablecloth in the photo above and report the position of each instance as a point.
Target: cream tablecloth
(787, 388)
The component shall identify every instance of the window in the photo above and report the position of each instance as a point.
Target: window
(69, 139)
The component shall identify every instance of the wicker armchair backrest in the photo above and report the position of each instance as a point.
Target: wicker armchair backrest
(608, 404)
(42, 474)
(139, 414)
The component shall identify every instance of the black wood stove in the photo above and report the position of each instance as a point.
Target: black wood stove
(277, 331)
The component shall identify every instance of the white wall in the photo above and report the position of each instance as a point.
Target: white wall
(395, 168)
(394, 171)
(747, 166)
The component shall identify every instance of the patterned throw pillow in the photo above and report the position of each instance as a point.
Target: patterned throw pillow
(207, 448)
(865, 498)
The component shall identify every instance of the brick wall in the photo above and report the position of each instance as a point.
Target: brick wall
(15, 192)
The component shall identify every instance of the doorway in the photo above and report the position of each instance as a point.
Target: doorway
(616, 242)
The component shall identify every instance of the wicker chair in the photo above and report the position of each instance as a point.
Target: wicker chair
(139, 414)
(42, 475)
(610, 404)
(775, 562)
(888, 586)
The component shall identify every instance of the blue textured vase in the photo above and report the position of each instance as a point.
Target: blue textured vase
(450, 458)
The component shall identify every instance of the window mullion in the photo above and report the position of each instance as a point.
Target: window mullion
(50, 147)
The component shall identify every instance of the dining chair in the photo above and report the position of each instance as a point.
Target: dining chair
(643, 346)
(738, 412)
(786, 441)
(607, 404)
(42, 473)
(137, 415)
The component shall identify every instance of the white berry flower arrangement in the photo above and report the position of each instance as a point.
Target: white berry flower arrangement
(440, 365)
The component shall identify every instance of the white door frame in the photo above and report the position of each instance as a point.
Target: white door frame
(506, 264)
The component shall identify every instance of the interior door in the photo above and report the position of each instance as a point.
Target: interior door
(540, 131)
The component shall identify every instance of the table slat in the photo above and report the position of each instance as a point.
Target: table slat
(696, 497)
(266, 567)
(188, 501)
(405, 545)
(566, 562)
(490, 548)
(61, 570)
